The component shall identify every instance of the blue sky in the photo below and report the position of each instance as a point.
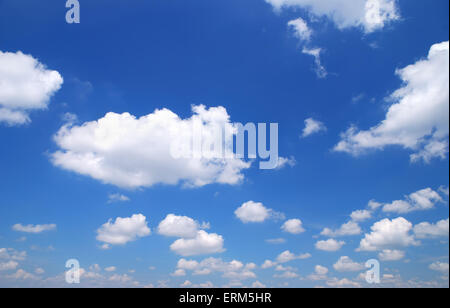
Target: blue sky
(135, 57)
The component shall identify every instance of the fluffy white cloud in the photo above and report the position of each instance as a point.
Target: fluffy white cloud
(343, 283)
(347, 229)
(301, 29)
(440, 267)
(320, 270)
(12, 254)
(427, 230)
(294, 226)
(345, 264)
(361, 215)
(234, 270)
(255, 212)
(7, 266)
(268, 264)
(418, 120)
(312, 127)
(387, 234)
(179, 226)
(370, 15)
(203, 243)
(33, 228)
(123, 230)
(111, 269)
(131, 152)
(26, 85)
(329, 245)
(288, 256)
(421, 200)
(391, 255)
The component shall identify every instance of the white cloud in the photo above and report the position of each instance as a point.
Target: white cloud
(440, 267)
(320, 270)
(33, 228)
(268, 264)
(179, 226)
(347, 229)
(370, 15)
(117, 198)
(39, 271)
(26, 85)
(203, 243)
(22, 275)
(285, 162)
(391, 255)
(179, 273)
(111, 269)
(234, 270)
(387, 234)
(123, 230)
(293, 226)
(427, 230)
(361, 215)
(421, 200)
(258, 285)
(12, 254)
(343, 283)
(7, 266)
(288, 256)
(418, 120)
(301, 29)
(320, 70)
(345, 264)
(131, 152)
(329, 245)
(255, 212)
(312, 127)
(373, 205)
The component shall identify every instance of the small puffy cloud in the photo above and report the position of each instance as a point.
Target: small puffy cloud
(329, 245)
(345, 264)
(34, 228)
(7, 266)
(440, 267)
(391, 255)
(234, 270)
(258, 285)
(21, 274)
(202, 244)
(301, 29)
(320, 270)
(130, 152)
(285, 162)
(312, 127)
(179, 226)
(293, 226)
(421, 200)
(123, 230)
(117, 198)
(268, 264)
(428, 230)
(288, 256)
(316, 52)
(12, 254)
(418, 119)
(369, 15)
(26, 85)
(179, 273)
(388, 234)
(39, 271)
(110, 269)
(374, 205)
(361, 215)
(343, 283)
(255, 212)
(347, 229)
